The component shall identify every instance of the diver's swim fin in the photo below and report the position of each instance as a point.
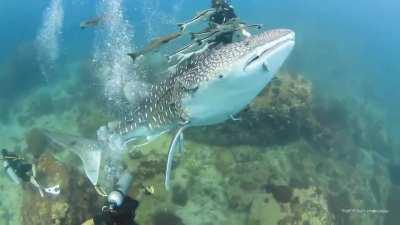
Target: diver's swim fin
(89, 151)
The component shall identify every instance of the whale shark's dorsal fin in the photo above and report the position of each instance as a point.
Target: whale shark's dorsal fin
(89, 151)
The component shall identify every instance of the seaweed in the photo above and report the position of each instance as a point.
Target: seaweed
(166, 218)
(281, 193)
(180, 195)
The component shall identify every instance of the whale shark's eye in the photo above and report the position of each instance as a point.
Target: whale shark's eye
(220, 76)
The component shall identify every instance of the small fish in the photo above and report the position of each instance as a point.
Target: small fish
(155, 44)
(94, 22)
(201, 16)
(230, 26)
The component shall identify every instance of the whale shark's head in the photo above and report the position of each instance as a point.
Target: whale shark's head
(226, 79)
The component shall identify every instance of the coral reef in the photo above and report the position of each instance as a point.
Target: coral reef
(262, 213)
(70, 207)
(166, 218)
(180, 195)
(281, 193)
(36, 142)
(309, 207)
(280, 114)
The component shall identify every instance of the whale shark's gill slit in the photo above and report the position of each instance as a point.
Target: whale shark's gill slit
(48, 37)
(253, 59)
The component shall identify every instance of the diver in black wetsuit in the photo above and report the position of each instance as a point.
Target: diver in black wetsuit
(120, 209)
(19, 170)
(224, 13)
(122, 215)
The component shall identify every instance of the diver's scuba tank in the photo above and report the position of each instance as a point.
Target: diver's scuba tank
(11, 173)
(116, 197)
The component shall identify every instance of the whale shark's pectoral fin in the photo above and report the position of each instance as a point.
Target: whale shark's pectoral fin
(176, 143)
(89, 151)
(181, 144)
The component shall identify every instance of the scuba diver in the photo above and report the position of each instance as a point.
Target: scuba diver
(19, 170)
(224, 13)
(123, 214)
(120, 209)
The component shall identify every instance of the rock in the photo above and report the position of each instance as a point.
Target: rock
(76, 203)
(308, 207)
(281, 113)
(36, 141)
(179, 195)
(262, 213)
(281, 193)
(225, 161)
(166, 218)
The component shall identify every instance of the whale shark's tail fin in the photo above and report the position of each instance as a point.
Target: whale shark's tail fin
(89, 151)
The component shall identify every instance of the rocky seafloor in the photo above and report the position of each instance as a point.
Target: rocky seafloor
(292, 158)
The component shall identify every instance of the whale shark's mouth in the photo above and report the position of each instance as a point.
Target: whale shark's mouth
(269, 49)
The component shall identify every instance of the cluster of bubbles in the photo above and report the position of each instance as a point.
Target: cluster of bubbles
(48, 37)
(113, 41)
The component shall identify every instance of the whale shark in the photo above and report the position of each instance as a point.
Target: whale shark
(207, 88)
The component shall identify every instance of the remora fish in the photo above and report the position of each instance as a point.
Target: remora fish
(155, 44)
(230, 26)
(207, 89)
(201, 16)
(91, 22)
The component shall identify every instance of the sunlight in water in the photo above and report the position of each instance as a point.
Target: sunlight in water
(113, 42)
(48, 38)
